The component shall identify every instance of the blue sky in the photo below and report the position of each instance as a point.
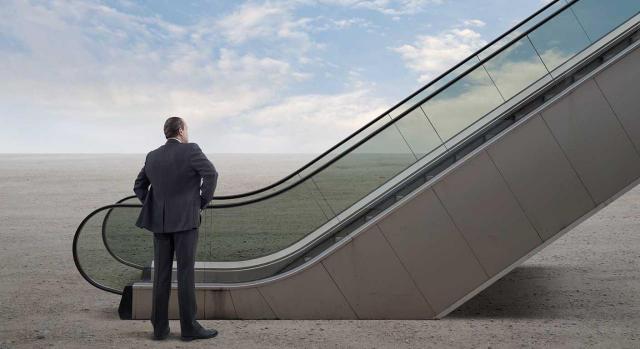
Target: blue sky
(248, 76)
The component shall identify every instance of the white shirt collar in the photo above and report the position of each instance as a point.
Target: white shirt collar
(174, 138)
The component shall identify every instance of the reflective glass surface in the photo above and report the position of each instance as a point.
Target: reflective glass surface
(599, 17)
(263, 227)
(515, 68)
(96, 261)
(434, 87)
(523, 28)
(462, 103)
(124, 238)
(419, 133)
(364, 169)
(559, 39)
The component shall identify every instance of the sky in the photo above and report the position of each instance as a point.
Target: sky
(272, 76)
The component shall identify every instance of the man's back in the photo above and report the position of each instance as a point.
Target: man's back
(173, 201)
(169, 187)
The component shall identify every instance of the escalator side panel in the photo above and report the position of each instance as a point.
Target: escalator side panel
(308, 295)
(587, 130)
(487, 213)
(552, 195)
(618, 84)
(432, 250)
(221, 305)
(249, 303)
(374, 281)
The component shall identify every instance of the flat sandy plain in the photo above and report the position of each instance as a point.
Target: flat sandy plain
(581, 291)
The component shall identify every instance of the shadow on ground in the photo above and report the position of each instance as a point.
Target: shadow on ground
(546, 292)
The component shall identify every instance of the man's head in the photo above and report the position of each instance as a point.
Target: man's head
(176, 127)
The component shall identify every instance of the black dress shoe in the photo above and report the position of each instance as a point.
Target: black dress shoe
(163, 335)
(200, 334)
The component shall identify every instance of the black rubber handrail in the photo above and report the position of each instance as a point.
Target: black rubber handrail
(76, 260)
(406, 112)
(105, 241)
(402, 102)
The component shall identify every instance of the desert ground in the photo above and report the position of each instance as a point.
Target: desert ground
(581, 291)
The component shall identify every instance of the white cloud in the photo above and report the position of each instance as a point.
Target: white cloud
(322, 23)
(431, 55)
(112, 75)
(275, 20)
(106, 64)
(263, 20)
(389, 7)
(473, 23)
(311, 122)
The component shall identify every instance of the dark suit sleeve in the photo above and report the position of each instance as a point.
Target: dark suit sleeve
(207, 171)
(141, 185)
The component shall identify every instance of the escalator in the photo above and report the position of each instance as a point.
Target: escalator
(427, 204)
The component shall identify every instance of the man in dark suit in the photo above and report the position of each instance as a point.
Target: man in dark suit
(175, 184)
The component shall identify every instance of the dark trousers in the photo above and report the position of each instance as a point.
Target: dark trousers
(184, 245)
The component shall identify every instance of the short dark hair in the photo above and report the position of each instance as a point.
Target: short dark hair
(172, 126)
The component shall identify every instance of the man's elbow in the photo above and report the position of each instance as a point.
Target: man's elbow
(141, 195)
(210, 179)
(211, 175)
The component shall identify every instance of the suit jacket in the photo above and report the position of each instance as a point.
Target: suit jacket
(169, 187)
